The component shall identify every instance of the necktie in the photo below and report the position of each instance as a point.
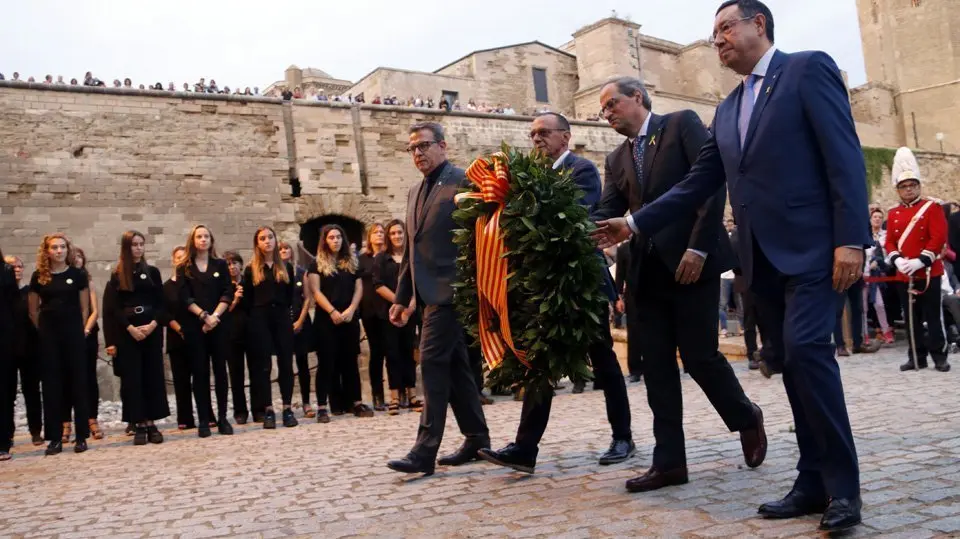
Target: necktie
(638, 147)
(424, 193)
(746, 106)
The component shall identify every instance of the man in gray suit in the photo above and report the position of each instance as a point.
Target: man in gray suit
(427, 272)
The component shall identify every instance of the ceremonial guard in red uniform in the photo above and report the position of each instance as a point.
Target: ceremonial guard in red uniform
(916, 234)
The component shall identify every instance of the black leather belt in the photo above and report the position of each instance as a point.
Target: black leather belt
(139, 309)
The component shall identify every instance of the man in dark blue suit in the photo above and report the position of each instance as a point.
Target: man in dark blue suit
(784, 142)
(551, 136)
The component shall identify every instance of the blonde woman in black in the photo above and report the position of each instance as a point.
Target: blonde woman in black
(133, 305)
(91, 331)
(337, 289)
(59, 304)
(268, 294)
(372, 323)
(206, 292)
(303, 338)
(399, 341)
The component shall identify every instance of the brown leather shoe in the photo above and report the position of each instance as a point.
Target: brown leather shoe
(754, 441)
(655, 479)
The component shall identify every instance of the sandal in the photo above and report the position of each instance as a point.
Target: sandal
(95, 430)
(393, 408)
(416, 404)
(67, 431)
(308, 411)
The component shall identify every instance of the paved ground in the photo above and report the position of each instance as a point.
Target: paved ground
(330, 480)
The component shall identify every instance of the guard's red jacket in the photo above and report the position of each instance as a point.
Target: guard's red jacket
(925, 241)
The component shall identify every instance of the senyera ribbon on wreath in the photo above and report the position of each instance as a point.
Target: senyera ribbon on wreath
(493, 179)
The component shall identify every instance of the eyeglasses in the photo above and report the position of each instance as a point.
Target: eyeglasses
(609, 105)
(422, 146)
(727, 26)
(542, 133)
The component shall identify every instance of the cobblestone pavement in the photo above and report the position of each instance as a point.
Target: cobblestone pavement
(330, 480)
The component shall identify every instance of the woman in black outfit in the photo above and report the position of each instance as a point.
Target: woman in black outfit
(401, 368)
(9, 297)
(303, 338)
(337, 289)
(269, 292)
(59, 303)
(238, 351)
(368, 313)
(133, 305)
(25, 356)
(206, 292)
(91, 331)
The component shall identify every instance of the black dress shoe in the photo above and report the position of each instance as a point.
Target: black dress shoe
(288, 419)
(768, 371)
(153, 435)
(80, 446)
(841, 514)
(908, 366)
(54, 448)
(37, 439)
(620, 450)
(323, 416)
(412, 464)
(241, 419)
(753, 441)
(634, 378)
(466, 453)
(140, 436)
(223, 427)
(511, 456)
(941, 365)
(258, 417)
(203, 432)
(655, 479)
(795, 504)
(270, 420)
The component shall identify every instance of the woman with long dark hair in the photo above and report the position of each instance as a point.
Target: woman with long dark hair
(269, 290)
(206, 292)
(238, 349)
(9, 298)
(303, 338)
(368, 312)
(59, 303)
(133, 304)
(399, 341)
(91, 331)
(25, 356)
(337, 289)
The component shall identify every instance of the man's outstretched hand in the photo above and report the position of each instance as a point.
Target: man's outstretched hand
(611, 232)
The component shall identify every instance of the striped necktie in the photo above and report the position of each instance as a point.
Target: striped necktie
(638, 158)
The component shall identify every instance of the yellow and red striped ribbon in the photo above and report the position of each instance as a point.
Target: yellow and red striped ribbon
(493, 179)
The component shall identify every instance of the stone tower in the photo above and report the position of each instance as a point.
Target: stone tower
(914, 46)
(604, 49)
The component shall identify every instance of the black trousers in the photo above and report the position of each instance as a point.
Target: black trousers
(447, 379)
(338, 373)
(238, 361)
(606, 370)
(26, 363)
(182, 385)
(303, 344)
(270, 332)
(401, 366)
(208, 349)
(8, 393)
(64, 364)
(91, 350)
(927, 307)
(634, 356)
(144, 388)
(476, 364)
(673, 316)
(750, 322)
(373, 327)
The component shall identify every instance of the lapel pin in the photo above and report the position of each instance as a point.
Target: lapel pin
(69, 281)
(768, 90)
(653, 140)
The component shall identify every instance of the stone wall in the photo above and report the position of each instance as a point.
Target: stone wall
(874, 108)
(940, 174)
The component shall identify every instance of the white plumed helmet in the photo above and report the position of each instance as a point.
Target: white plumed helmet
(905, 167)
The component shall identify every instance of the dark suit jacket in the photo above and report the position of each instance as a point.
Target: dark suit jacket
(953, 232)
(587, 177)
(429, 266)
(798, 186)
(672, 144)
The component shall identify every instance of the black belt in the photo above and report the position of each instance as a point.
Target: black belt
(139, 309)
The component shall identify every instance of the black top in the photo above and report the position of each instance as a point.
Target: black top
(386, 271)
(138, 307)
(269, 292)
(175, 311)
(60, 298)
(206, 289)
(9, 298)
(338, 288)
(368, 302)
(299, 281)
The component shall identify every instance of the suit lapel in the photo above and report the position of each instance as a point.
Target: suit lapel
(431, 196)
(652, 141)
(766, 89)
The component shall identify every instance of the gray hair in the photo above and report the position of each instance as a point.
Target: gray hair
(561, 119)
(629, 86)
(433, 127)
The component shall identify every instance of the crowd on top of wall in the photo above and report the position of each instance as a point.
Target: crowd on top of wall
(89, 80)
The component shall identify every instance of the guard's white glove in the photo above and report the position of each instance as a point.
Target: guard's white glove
(901, 264)
(913, 265)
